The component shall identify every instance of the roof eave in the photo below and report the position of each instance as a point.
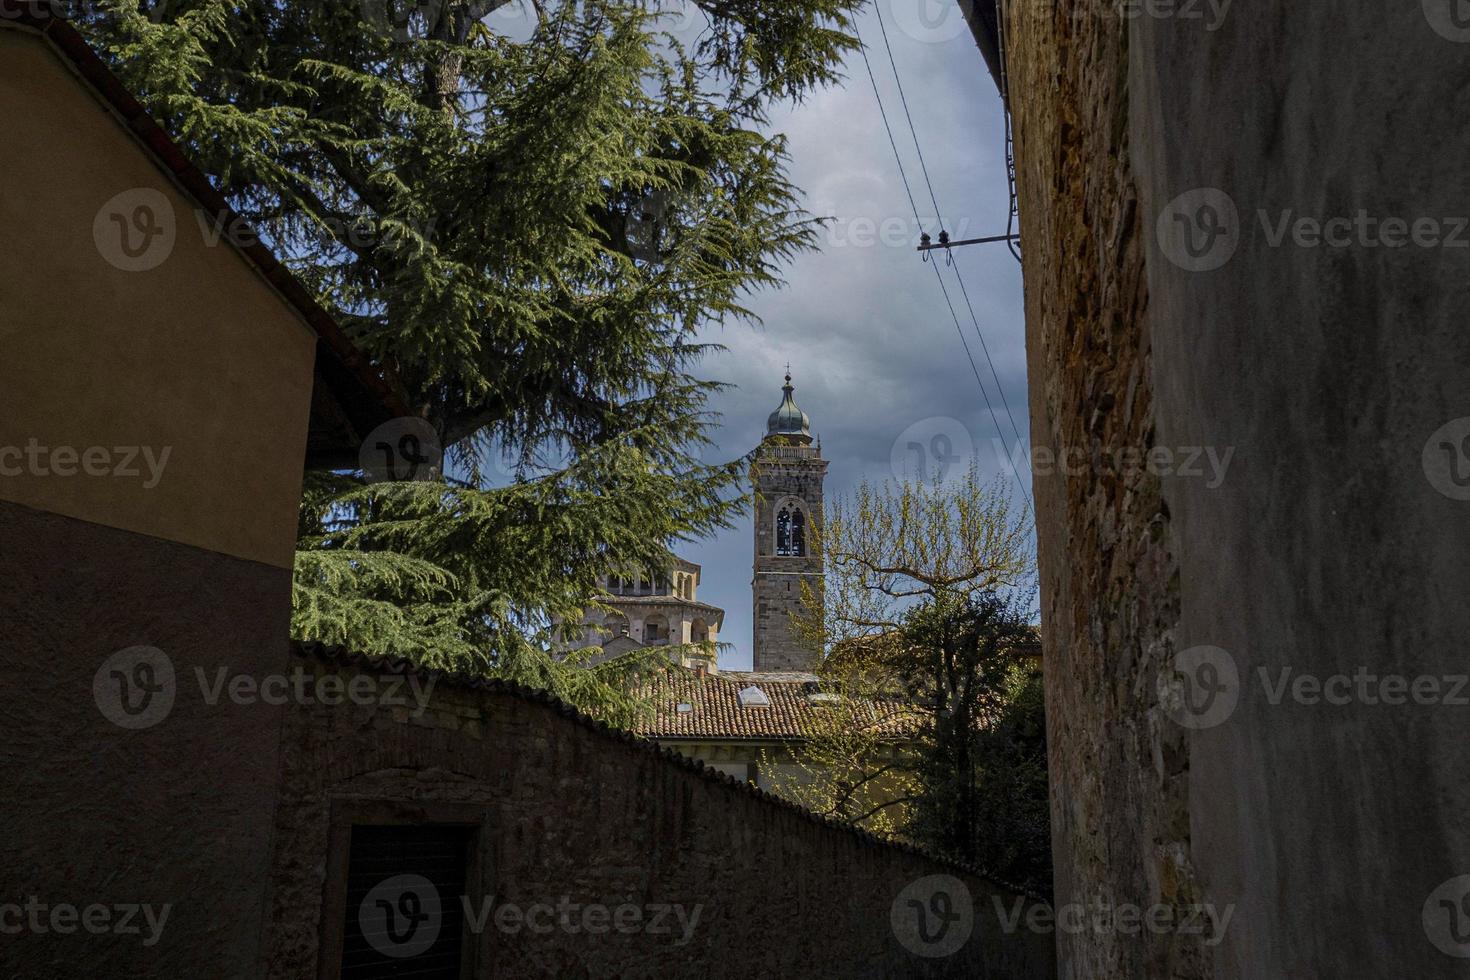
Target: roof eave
(983, 17)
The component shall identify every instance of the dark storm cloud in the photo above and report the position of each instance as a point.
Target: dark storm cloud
(872, 345)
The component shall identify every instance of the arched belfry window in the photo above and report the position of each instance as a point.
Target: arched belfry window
(790, 532)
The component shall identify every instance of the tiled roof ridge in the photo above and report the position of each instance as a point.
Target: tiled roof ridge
(339, 655)
(771, 676)
(658, 600)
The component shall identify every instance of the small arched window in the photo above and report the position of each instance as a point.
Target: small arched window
(791, 532)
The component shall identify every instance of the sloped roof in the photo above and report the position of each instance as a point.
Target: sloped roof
(715, 709)
(611, 599)
(362, 394)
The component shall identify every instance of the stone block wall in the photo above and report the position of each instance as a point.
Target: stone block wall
(567, 813)
(777, 599)
(1109, 593)
(780, 475)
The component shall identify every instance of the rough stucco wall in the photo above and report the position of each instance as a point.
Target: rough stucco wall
(1324, 549)
(190, 355)
(189, 359)
(570, 810)
(178, 813)
(1328, 551)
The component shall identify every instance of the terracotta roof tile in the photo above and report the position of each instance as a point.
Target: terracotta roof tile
(715, 710)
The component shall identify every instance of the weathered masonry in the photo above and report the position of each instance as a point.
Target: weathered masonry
(1176, 304)
(554, 810)
(787, 475)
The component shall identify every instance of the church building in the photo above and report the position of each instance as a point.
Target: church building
(786, 472)
(661, 610)
(747, 724)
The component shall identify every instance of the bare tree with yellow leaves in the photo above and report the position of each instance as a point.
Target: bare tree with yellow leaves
(923, 625)
(892, 546)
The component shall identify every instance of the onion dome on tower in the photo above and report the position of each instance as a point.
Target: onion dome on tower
(788, 421)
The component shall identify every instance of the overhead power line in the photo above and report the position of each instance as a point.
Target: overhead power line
(944, 234)
(904, 101)
(944, 289)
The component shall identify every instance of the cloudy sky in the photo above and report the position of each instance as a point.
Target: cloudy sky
(873, 349)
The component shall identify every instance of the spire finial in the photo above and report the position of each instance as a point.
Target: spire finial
(788, 372)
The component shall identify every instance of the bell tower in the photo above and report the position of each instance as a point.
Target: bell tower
(787, 474)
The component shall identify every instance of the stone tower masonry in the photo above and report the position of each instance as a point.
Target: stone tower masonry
(787, 475)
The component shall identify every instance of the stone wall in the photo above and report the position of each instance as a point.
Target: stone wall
(1329, 545)
(782, 475)
(1109, 578)
(568, 813)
